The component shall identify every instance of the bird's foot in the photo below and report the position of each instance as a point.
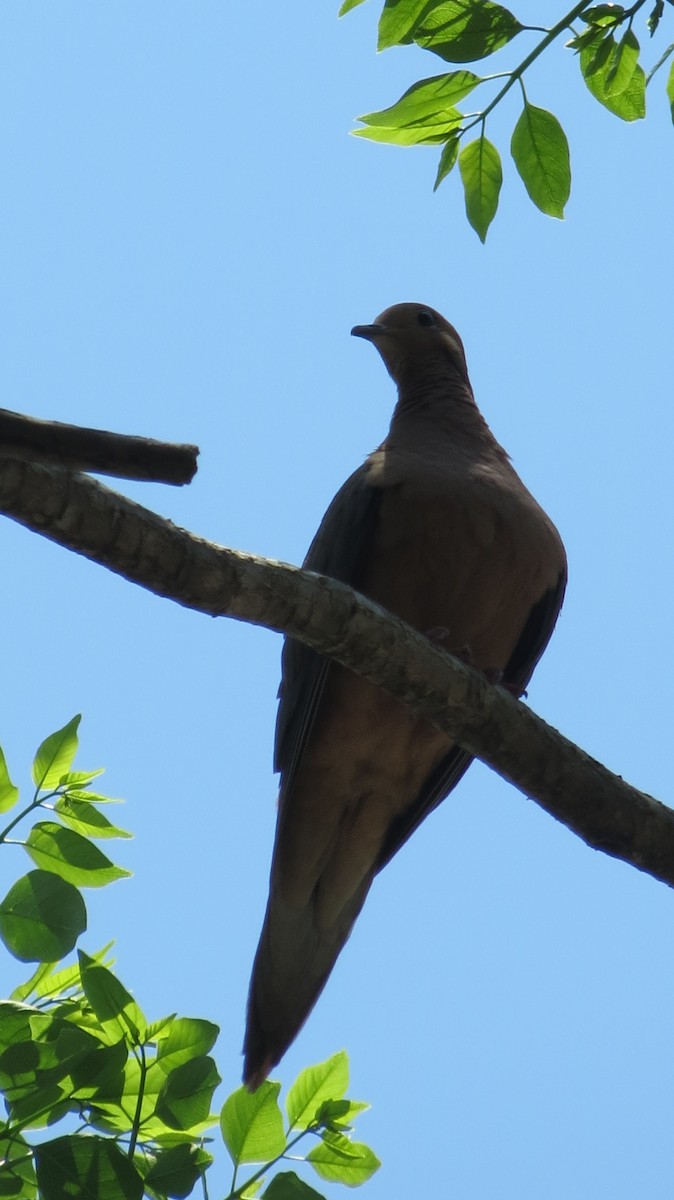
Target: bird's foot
(440, 635)
(495, 675)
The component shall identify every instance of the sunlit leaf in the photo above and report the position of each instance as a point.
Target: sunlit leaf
(623, 64)
(92, 1168)
(24, 990)
(288, 1186)
(603, 15)
(57, 983)
(448, 160)
(482, 176)
(185, 1098)
(324, 1081)
(340, 1160)
(655, 16)
(101, 1070)
(424, 114)
(252, 1125)
(595, 65)
(397, 20)
(338, 1114)
(71, 856)
(55, 755)
(541, 153)
(80, 779)
(88, 797)
(41, 917)
(85, 818)
(186, 1038)
(17, 1172)
(177, 1169)
(8, 793)
(463, 31)
(114, 1007)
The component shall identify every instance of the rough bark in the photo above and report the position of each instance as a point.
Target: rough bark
(146, 549)
(32, 440)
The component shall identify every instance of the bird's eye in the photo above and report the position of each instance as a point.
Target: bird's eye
(424, 317)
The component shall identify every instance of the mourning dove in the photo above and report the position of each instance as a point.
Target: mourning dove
(438, 528)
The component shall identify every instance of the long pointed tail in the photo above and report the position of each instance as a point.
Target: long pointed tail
(293, 961)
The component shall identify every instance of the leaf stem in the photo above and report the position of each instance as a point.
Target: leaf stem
(135, 1129)
(258, 1174)
(661, 61)
(535, 53)
(37, 802)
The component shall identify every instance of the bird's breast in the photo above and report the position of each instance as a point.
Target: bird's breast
(462, 555)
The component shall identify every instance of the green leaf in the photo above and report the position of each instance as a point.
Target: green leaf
(90, 1168)
(92, 797)
(17, 1172)
(541, 153)
(41, 917)
(670, 89)
(8, 793)
(80, 779)
(347, 6)
(71, 856)
(288, 1186)
(57, 983)
(114, 1007)
(448, 159)
(339, 1160)
(85, 818)
(596, 63)
(100, 1071)
(604, 15)
(482, 176)
(176, 1170)
(624, 61)
(465, 31)
(598, 52)
(136, 1093)
(397, 21)
(655, 16)
(55, 756)
(253, 1188)
(428, 101)
(185, 1098)
(252, 1125)
(24, 990)
(161, 1026)
(186, 1038)
(424, 114)
(338, 1114)
(15, 1023)
(324, 1081)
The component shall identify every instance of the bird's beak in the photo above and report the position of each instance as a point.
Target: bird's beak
(369, 332)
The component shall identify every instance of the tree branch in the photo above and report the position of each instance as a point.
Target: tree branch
(88, 518)
(32, 440)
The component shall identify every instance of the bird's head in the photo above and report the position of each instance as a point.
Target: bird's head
(414, 339)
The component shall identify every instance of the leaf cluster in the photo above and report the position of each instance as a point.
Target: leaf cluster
(469, 31)
(132, 1097)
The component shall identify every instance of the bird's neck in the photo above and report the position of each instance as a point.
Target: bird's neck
(439, 403)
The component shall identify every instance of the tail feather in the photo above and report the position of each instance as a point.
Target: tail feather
(293, 962)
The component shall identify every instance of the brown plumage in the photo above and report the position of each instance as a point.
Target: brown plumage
(438, 528)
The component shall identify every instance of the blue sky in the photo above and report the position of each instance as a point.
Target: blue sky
(187, 234)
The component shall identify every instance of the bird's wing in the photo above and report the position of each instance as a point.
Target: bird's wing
(530, 646)
(339, 550)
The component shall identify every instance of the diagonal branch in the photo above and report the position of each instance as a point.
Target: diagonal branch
(146, 549)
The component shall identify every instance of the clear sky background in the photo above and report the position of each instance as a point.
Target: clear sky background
(187, 235)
